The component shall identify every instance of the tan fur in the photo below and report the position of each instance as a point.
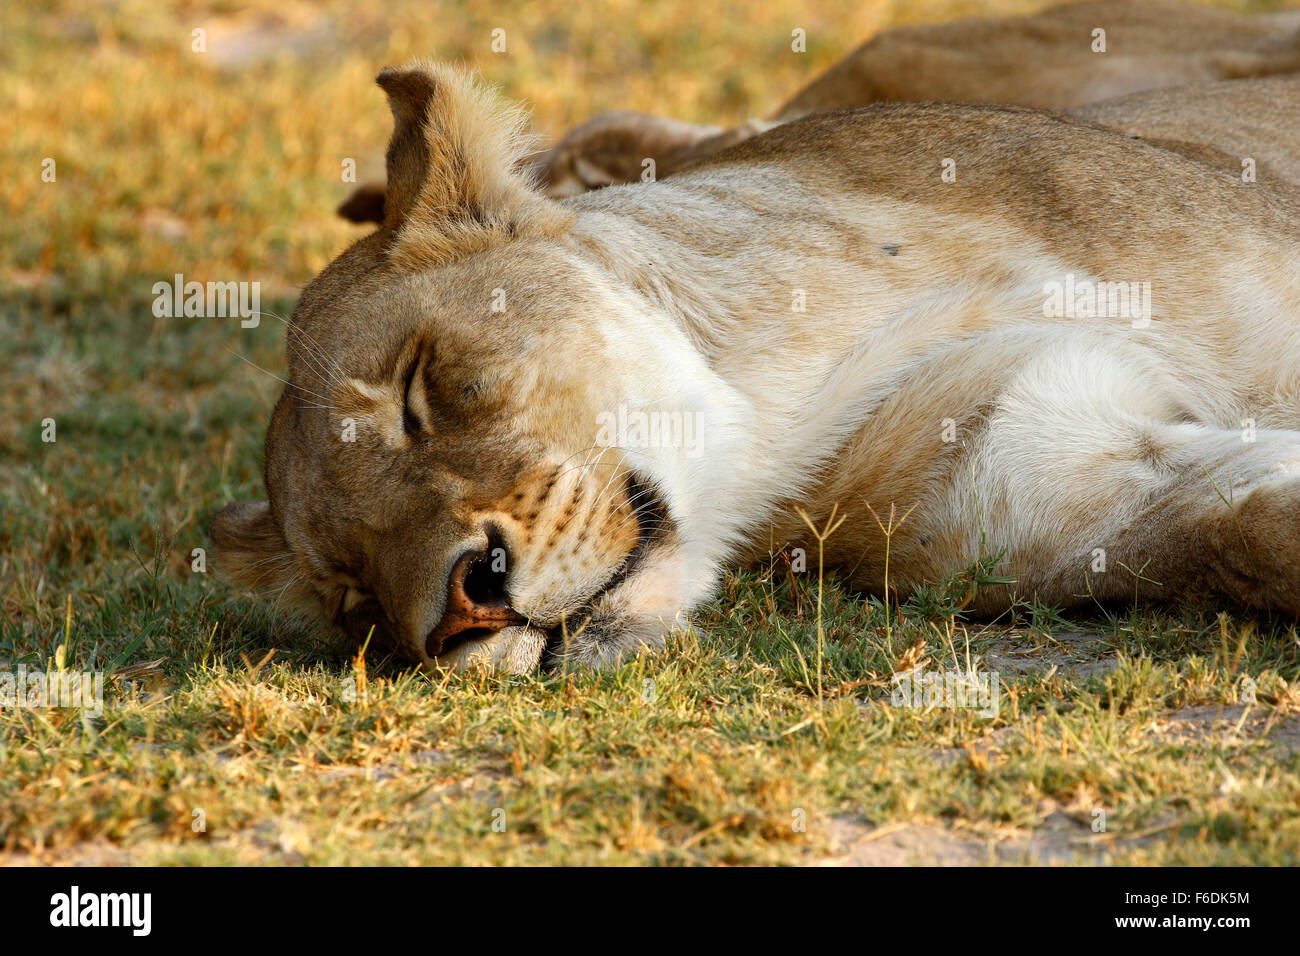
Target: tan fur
(851, 328)
(1219, 123)
(1045, 61)
(627, 147)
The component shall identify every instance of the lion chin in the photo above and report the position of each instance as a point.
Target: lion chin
(519, 432)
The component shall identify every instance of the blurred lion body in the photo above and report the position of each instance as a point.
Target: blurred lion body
(1228, 125)
(1221, 123)
(1059, 59)
(1048, 60)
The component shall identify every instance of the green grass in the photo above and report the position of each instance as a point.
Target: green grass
(708, 752)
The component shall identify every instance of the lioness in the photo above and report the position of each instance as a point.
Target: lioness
(917, 306)
(1050, 60)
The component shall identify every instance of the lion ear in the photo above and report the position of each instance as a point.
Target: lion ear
(454, 172)
(366, 204)
(248, 549)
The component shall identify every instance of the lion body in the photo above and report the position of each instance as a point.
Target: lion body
(925, 307)
(1062, 58)
(1230, 124)
(871, 312)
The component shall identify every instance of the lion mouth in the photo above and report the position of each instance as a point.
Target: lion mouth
(653, 523)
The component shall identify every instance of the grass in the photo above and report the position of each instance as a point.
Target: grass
(230, 734)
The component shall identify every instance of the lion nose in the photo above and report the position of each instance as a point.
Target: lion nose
(477, 605)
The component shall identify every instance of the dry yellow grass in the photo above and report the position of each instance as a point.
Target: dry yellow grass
(226, 165)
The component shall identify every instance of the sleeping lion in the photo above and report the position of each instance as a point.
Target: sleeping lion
(519, 430)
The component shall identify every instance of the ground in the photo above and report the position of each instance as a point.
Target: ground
(231, 733)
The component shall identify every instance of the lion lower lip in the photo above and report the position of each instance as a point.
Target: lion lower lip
(470, 641)
(576, 622)
(468, 636)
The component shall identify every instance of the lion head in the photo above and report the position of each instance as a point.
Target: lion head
(435, 473)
